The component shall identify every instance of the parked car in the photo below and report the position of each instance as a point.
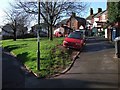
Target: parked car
(74, 40)
(58, 34)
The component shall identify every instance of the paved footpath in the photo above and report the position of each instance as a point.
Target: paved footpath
(96, 67)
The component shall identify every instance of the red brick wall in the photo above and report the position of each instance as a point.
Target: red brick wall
(68, 23)
(74, 24)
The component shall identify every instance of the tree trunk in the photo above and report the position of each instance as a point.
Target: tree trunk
(14, 35)
(15, 29)
(51, 35)
(51, 32)
(23, 37)
(48, 32)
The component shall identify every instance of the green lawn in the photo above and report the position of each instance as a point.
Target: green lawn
(52, 58)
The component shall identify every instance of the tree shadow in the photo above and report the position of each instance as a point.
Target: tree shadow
(13, 47)
(42, 58)
(71, 83)
(97, 47)
(23, 57)
(97, 44)
(95, 40)
(30, 40)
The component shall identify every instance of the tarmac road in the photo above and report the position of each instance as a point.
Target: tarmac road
(12, 74)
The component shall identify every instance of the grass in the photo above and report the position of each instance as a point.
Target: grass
(52, 58)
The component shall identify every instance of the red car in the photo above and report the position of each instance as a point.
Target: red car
(58, 34)
(74, 40)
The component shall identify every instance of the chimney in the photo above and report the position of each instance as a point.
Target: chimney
(99, 10)
(91, 11)
(73, 14)
(108, 4)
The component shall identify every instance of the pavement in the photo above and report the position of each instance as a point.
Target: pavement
(95, 67)
(13, 75)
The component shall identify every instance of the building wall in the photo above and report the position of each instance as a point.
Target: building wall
(96, 19)
(68, 24)
(74, 24)
(103, 18)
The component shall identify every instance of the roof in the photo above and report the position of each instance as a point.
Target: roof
(62, 22)
(99, 14)
(79, 19)
(90, 16)
(67, 27)
(88, 23)
(41, 24)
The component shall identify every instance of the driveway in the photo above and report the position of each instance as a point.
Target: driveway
(96, 67)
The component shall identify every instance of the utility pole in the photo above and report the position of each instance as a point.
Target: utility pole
(38, 37)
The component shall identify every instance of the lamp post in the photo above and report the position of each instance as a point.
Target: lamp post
(38, 37)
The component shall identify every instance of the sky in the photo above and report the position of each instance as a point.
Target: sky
(93, 4)
(96, 5)
(3, 7)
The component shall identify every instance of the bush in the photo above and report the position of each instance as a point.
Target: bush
(6, 37)
(26, 36)
(19, 37)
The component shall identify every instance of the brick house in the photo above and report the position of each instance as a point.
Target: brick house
(97, 20)
(71, 24)
(75, 22)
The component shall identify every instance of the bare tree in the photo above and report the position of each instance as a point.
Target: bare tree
(23, 24)
(51, 12)
(16, 21)
(12, 17)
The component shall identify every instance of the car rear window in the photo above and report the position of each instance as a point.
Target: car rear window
(75, 35)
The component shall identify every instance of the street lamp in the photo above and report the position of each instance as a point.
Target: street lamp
(38, 37)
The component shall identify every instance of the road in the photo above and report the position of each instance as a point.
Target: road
(95, 67)
(12, 74)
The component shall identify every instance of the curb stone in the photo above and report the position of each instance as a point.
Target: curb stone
(69, 67)
(63, 72)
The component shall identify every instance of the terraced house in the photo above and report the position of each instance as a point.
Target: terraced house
(97, 20)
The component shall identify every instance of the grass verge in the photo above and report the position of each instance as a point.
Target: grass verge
(53, 57)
